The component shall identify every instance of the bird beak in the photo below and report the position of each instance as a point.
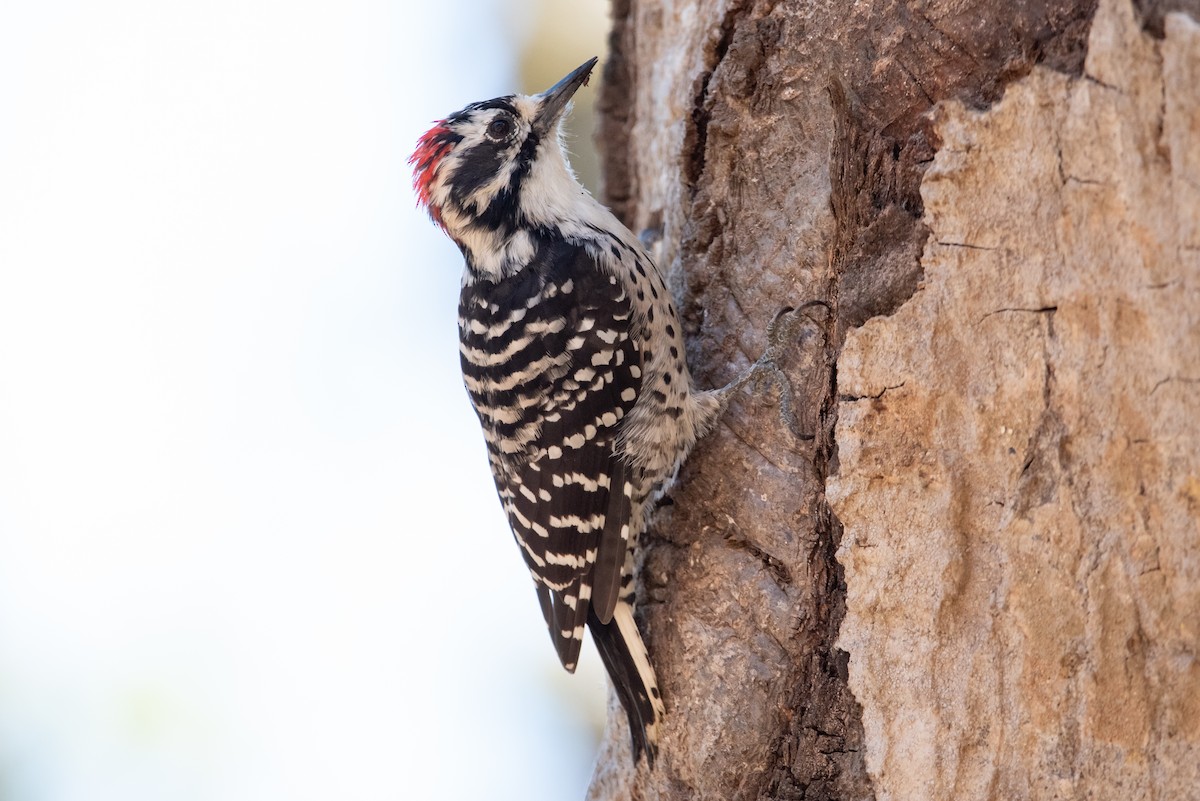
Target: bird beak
(555, 99)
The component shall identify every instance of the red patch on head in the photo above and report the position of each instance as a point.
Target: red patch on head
(431, 148)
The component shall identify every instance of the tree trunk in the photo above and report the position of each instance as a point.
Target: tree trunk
(980, 577)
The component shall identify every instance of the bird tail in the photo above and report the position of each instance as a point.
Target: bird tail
(624, 656)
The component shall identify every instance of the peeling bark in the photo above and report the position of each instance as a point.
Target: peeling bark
(951, 177)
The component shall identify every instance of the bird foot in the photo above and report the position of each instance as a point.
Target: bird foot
(782, 332)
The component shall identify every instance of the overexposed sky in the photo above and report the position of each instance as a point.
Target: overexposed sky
(249, 546)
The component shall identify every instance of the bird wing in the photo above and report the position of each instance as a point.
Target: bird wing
(572, 372)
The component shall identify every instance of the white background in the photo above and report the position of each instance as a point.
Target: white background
(249, 547)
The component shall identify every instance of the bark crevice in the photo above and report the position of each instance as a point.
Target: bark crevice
(792, 167)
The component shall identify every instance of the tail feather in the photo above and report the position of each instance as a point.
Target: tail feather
(624, 656)
(565, 614)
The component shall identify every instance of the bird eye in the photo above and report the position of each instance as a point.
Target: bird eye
(499, 129)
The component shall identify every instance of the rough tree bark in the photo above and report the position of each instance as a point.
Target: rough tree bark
(981, 576)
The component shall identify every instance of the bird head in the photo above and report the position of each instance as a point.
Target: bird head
(498, 167)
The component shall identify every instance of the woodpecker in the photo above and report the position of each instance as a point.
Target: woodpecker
(572, 354)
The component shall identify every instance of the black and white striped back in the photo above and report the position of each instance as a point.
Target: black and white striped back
(552, 368)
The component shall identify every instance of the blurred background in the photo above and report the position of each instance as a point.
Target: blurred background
(249, 545)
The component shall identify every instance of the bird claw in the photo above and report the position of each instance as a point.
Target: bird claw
(782, 331)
